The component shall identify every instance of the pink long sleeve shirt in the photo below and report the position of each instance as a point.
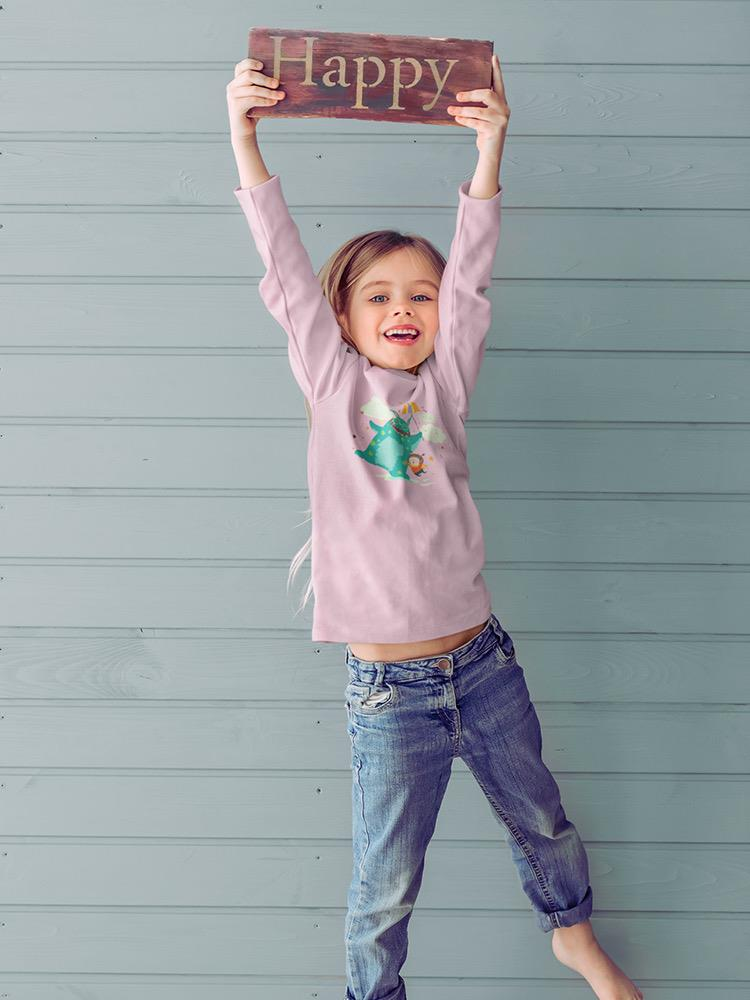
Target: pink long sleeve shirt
(397, 542)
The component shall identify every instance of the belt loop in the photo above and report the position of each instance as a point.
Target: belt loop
(380, 674)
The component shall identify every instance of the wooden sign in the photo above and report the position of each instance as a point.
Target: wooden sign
(400, 78)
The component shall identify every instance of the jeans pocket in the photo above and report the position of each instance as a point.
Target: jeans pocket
(367, 699)
(505, 651)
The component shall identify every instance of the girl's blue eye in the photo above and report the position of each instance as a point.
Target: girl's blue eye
(418, 295)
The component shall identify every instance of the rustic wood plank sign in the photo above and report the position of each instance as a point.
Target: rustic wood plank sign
(403, 78)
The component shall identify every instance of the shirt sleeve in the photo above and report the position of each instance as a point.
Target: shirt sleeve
(465, 312)
(292, 293)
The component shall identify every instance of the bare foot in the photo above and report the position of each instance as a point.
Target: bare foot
(577, 948)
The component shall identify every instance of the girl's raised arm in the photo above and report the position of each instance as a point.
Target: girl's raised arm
(292, 293)
(465, 311)
(290, 289)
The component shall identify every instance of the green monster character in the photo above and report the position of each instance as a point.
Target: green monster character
(391, 446)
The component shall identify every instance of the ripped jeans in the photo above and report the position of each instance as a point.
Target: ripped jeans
(407, 720)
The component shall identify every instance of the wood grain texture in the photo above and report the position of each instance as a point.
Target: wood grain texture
(397, 78)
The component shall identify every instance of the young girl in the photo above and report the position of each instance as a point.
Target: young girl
(386, 345)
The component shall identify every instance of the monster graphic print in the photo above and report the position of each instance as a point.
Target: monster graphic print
(398, 432)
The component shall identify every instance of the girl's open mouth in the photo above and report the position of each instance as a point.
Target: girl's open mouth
(403, 336)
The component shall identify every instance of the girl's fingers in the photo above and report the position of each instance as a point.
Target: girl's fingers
(481, 114)
(497, 76)
(475, 95)
(262, 78)
(261, 100)
(474, 123)
(487, 94)
(244, 64)
(251, 90)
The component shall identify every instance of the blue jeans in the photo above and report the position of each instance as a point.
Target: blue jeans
(407, 720)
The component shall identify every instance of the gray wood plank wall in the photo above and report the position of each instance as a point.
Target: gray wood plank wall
(174, 766)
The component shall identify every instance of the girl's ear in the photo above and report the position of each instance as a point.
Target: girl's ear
(343, 323)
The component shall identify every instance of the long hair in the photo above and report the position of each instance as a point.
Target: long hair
(337, 277)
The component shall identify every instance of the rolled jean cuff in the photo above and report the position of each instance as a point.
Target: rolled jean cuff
(398, 994)
(566, 918)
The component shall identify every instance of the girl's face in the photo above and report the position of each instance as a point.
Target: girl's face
(400, 290)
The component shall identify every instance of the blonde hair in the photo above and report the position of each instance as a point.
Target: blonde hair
(338, 277)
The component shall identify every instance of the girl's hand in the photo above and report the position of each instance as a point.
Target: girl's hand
(249, 89)
(491, 122)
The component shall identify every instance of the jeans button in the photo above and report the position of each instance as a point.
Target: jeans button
(444, 663)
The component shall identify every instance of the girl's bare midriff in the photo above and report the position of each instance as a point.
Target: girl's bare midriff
(415, 650)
